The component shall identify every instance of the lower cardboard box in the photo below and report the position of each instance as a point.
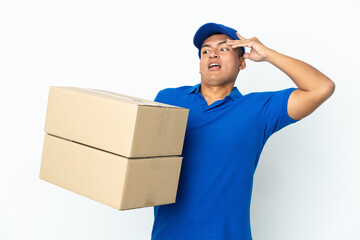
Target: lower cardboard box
(119, 182)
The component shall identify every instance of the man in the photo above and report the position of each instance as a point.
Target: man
(226, 132)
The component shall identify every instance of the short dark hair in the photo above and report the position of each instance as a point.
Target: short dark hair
(240, 50)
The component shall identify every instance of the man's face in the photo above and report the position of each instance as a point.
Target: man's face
(215, 50)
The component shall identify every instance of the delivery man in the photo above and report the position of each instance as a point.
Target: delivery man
(226, 132)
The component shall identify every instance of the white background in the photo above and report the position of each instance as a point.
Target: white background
(306, 185)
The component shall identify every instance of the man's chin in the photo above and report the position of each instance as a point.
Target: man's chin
(215, 78)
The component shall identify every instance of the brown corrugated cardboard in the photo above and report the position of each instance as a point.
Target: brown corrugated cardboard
(125, 125)
(111, 179)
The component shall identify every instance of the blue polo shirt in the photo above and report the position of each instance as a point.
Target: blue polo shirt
(221, 150)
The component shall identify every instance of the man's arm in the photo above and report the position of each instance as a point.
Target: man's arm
(314, 87)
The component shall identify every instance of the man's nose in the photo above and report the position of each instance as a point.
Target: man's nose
(213, 54)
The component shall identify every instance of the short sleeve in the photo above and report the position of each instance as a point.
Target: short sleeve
(275, 110)
(162, 96)
(157, 97)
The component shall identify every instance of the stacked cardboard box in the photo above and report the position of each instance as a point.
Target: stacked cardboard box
(119, 150)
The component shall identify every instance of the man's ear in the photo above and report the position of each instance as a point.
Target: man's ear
(242, 64)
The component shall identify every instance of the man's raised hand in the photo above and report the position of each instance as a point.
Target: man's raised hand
(259, 52)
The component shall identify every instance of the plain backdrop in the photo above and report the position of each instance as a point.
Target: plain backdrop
(306, 185)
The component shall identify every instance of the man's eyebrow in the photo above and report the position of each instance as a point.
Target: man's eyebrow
(207, 45)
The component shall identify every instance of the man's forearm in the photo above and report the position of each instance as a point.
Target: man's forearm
(305, 77)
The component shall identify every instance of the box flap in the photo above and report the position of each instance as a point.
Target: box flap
(138, 101)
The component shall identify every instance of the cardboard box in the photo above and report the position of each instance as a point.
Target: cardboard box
(111, 179)
(121, 124)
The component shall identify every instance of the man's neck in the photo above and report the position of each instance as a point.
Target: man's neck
(214, 93)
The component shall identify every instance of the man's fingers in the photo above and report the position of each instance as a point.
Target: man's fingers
(242, 43)
(241, 37)
(232, 42)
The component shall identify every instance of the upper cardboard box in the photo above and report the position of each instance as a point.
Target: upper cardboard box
(125, 125)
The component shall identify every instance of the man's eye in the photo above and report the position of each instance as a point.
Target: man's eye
(220, 49)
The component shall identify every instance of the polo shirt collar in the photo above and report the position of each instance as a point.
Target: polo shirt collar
(235, 93)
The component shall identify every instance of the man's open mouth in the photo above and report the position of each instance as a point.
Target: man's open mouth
(214, 66)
